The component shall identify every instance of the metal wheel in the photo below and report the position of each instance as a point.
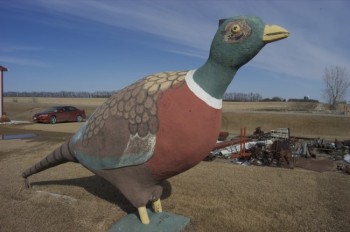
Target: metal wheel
(79, 118)
(53, 120)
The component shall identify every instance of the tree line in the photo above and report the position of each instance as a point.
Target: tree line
(337, 84)
(61, 94)
(244, 97)
(336, 81)
(234, 97)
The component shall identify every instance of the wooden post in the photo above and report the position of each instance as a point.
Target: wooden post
(2, 69)
(242, 142)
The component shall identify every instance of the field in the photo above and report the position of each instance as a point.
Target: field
(216, 196)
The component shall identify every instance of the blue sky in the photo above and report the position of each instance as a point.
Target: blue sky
(96, 45)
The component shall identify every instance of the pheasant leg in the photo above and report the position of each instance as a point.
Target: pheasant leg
(143, 215)
(157, 206)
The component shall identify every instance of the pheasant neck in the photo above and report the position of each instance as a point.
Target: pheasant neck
(214, 78)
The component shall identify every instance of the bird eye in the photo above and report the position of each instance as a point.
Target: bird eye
(235, 29)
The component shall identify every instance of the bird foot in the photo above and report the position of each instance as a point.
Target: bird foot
(157, 206)
(143, 215)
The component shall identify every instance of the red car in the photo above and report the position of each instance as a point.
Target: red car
(60, 114)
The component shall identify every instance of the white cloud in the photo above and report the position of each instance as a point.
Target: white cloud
(318, 28)
(7, 48)
(22, 61)
(20, 55)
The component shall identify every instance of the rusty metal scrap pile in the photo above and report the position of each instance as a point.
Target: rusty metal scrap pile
(277, 148)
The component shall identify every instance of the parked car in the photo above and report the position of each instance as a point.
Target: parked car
(60, 114)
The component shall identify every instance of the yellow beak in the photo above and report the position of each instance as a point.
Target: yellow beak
(273, 33)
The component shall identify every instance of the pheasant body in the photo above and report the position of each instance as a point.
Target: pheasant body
(165, 123)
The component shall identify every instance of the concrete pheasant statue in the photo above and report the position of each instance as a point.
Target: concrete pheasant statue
(165, 123)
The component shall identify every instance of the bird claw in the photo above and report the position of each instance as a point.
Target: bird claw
(157, 206)
(143, 215)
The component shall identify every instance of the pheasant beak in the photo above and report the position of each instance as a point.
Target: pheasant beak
(273, 33)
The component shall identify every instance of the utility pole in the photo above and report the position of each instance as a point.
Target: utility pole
(2, 112)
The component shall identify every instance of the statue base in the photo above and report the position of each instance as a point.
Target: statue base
(163, 221)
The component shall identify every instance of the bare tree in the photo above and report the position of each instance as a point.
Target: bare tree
(337, 82)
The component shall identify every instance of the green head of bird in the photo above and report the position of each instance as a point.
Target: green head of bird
(239, 39)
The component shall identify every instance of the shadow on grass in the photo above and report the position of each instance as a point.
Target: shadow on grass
(104, 190)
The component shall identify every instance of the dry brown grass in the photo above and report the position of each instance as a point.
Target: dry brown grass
(56, 100)
(325, 126)
(23, 108)
(267, 115)
(238, 198)
(215, 196)
(271, 106)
